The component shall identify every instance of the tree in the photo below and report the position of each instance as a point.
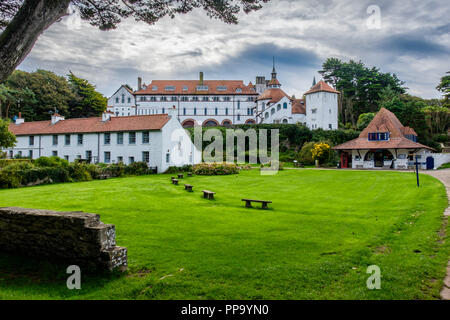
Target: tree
(364, 119)
(89, 102)
(359, 85)
(39, 93)
(444, 87)
(7, 138)
(25, 20)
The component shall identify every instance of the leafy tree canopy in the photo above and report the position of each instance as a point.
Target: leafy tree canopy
(88, 101)
(7, 139)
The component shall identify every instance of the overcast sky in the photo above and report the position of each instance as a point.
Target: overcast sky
(412, 41)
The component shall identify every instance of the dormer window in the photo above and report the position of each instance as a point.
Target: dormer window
(239, 90)
(155, 88)
(378, 136)
(169, 88)
(202, 88)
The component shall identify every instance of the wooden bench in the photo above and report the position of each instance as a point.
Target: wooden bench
(175, 181)
(180, 176)
(248, 203)
(103, 176)
(171, 178)
(208, 194)
(188, 187)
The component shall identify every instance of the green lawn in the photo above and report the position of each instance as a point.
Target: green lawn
(323, 230)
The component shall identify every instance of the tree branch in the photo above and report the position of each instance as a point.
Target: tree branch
(19, 37)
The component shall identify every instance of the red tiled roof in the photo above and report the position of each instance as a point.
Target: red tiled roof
(231, 87)
(274, 82)
(384, 121)
(298, 106)
(274, 95)
(91, 125)
(321, 86)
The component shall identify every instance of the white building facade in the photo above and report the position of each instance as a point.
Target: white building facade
(229, 102)
(158, 140)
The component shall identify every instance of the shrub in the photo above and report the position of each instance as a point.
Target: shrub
(321, 152)
(7, 162)
(79, 172)
(51, 162)
(186, 168)
(137, 168)
(305, 154)
(114, 170)
(218, 169)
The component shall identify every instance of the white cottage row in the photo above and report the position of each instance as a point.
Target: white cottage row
(158, 140)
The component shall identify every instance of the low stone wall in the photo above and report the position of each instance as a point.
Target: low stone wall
(76, 238)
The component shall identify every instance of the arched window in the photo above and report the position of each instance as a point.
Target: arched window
(216, 111)
(188, 123)
(272, 111)
(285, 105)
(210, 123)
(239, 117)
(163, 110)
(206, 111)
(195, 111)
(184, 111)
(266, 115)
(226, 123)
(279, 107)
(285, 121)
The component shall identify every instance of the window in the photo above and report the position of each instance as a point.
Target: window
(313, 111)
(80, 139)
(153, 99)
(226, 111)
(195, 111)
(167, 157)
(239, 90)
(163, 98)
(378, 136)
(279, 107)
(30, 154)
(184, 111)
(54, 153)
(89, 156)
(31, 140)
(221, 88)
(266, 115)
(174, 99)
(239, 104)
(129, 100)
(239, 117)
(226, 99)
(184, 99)
(206, 111)
(123, 98)
(142, 98)
(107, 138)
(169, 88)
(67, 140)
(185, 88)
(272, 111)
(194, 98)
(119, 159)
(216, 111)
(145, 137)
(55, 140)
(107, 157)
(117, 99)
(155, 88)
(132, 138)
(285, 105)
(202, 88)
(205, 99)
(120, 138)
(66, 157)
(146, 156)
(130, 160)
(216, 99)
(330, 126)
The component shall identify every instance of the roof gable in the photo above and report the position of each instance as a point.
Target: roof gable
(321, 86)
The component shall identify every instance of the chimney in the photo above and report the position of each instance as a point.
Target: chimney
(56, 117)
(172, 112)
(19, 120)
(201, 78)
(139, 83)
(106, 116)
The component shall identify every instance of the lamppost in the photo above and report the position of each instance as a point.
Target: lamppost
(417, 171)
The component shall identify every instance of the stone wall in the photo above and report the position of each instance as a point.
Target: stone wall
(76, 238)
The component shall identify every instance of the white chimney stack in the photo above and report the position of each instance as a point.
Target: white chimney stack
(19, 120)
(172, 112)
(106, 116)
(56, 117)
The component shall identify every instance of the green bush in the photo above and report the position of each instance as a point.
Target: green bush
(215, 169)
(186, 168)
(79, 172)
(137, 168)
(7, 162)
(305, 154)
(114, 170)
(51, 162)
